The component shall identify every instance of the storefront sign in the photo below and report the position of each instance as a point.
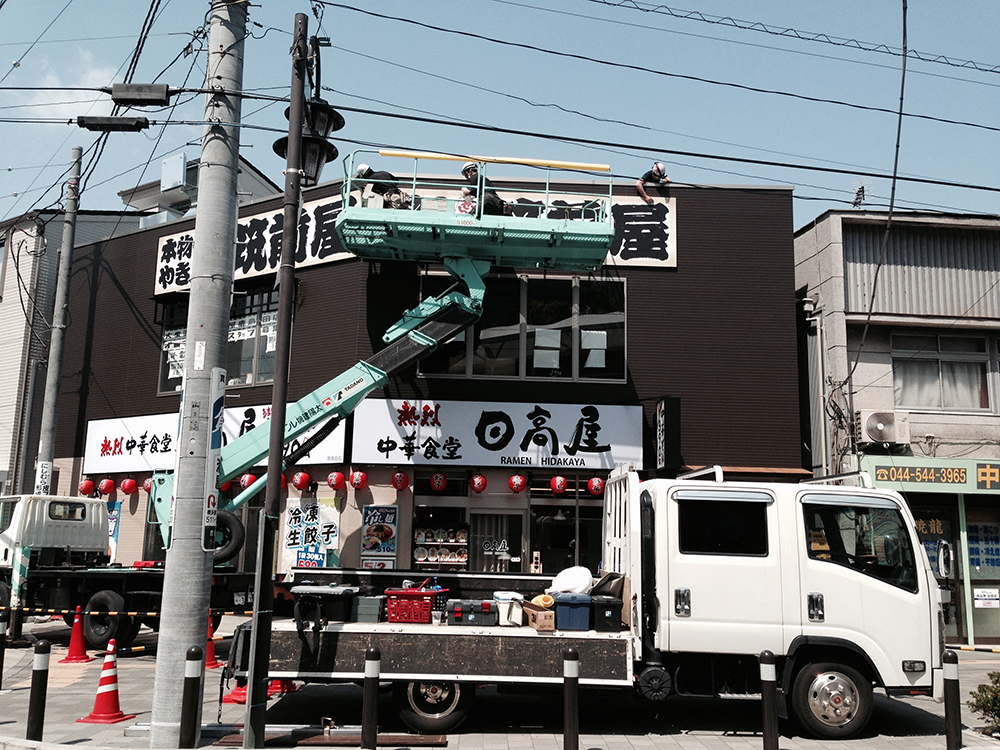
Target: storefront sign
(912, 474)
(311, 533)
(378, 531)
(142, 444)
(986, 598)
(393, 431)
(258, 245)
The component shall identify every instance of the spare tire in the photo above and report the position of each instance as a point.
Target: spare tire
(229, 536)
(101, 627)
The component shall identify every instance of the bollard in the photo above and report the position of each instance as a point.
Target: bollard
(191, 697)
(369, 705)
(952, 701)
(4, 617)
(39, 685)
(769, 699)
(571, 706)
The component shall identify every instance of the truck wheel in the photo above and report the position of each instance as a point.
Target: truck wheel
(229, 536)
(4, 596)
(102, 627)
(433, 707)
(832, 701)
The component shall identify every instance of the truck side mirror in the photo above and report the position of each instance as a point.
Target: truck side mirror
(944, 559)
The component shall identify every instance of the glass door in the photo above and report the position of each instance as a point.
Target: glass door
(496, 542)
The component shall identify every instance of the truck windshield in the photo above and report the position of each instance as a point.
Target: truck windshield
(869, 538)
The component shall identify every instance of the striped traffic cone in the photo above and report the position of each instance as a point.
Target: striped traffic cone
(106, 707)
(77, 645)
(210, 661)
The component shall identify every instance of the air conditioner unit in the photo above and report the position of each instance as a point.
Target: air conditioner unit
(882, 427)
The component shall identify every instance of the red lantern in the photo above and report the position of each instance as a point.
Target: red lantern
(147, 485)
(86, 488)
(106, 486)
(438, 482)
(359, 480)
(246, 480)
(558, 484)
(336, 480)
(478, 483)
(224, 487)
(284, 482)
(301, 480)
(400, 480)
(595, 485)
(128, 486)
(517, 483)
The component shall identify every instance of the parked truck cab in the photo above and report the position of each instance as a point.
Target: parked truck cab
(833, 580)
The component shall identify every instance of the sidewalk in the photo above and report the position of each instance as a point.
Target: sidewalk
(498, 721)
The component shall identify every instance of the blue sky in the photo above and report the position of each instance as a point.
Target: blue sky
(630, 81)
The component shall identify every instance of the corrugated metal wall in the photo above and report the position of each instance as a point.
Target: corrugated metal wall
(927, 270)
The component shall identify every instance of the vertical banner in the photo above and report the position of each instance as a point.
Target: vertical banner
(311, 535)
(114, 516)
(210, 517)
(43, 478)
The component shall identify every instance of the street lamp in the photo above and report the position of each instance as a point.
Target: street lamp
(320, 119)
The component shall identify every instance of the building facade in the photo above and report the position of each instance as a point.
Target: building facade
(679, 353)
(902, 350)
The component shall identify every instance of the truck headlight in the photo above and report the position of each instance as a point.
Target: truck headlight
(914, 666)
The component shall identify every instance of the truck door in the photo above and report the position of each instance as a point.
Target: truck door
(725, 581)
(862, 581)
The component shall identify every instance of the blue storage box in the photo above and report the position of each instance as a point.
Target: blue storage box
(572, 611)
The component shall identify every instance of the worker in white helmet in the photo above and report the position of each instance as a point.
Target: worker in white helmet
(381, 183)
(493, 204)
(657, 176)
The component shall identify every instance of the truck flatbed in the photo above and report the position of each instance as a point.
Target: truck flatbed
(444, 652)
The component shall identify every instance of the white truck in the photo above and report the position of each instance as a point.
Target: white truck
(54, 558)
(832, 579)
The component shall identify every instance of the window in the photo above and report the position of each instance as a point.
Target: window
(732, 523)
(252, 338)
(867, 536)
(564, 328)
(940, 371)
(61, 511)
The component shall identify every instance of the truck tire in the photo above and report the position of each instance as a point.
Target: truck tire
(433, 707)
(832, 701)
(229, 536)
(4, 596)
(100, 628)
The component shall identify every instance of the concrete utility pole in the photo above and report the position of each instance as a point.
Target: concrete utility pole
(50, 408)
(253, 732)
(187, 578)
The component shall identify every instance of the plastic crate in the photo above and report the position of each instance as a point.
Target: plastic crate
(416, 604)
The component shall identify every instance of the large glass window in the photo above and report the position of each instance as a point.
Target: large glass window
(932, 371)
(565, 328)
(870, 539)
(252, 340)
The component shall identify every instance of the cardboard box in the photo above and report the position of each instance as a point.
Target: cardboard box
(539, 618)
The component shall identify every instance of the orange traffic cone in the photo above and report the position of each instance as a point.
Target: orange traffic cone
(77, 647)
(210, 661)
(106, 707)
(280, 687)
(238, 694)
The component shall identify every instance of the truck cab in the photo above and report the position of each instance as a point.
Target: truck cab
(831, 579)
(57, 530)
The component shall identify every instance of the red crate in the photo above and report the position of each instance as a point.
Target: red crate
(414, 605)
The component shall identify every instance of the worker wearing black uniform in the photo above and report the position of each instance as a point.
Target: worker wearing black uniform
(493, 204)
(384, 184)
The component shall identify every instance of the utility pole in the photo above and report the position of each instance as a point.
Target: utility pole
(50, 408)
(187, 577)
(260, 651)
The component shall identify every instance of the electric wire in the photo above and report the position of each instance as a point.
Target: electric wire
(31, 46)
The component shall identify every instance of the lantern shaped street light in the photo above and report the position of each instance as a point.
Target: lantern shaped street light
(320, 119)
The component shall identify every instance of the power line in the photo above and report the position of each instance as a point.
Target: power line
(17, 63)
(666, 74)
(808, 36)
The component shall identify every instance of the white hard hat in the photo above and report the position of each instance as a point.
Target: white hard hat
(659, 170)
(363, 169)
(469, 165)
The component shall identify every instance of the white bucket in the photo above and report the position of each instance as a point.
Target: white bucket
(510, 610)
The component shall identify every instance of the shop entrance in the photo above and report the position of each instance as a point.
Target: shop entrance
(936, 518)
(495, 541)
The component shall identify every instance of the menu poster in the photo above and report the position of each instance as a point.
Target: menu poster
(378, 531)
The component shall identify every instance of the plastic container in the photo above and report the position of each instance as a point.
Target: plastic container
(335, 601)
(510, 608)
(572, 611)
(413, 605)
(479, 612)
(607, 613)
(368, 609)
